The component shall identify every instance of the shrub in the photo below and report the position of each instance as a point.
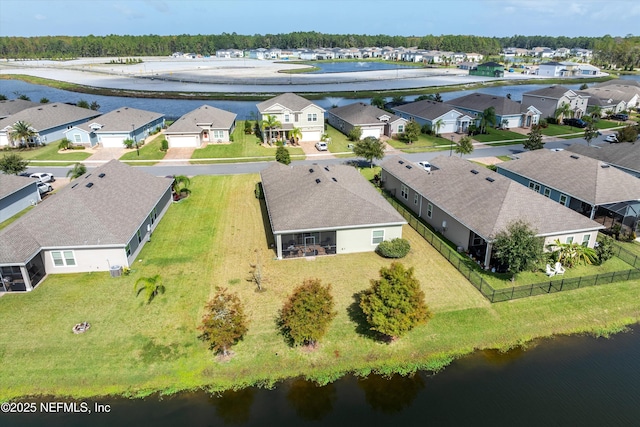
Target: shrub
(247, 127)
(164, 145)
(551, 120)
(282, 155)
(604, 248)
(65, 144)
(128, 143)
(355, 134)
(396, 248)
(543, 123)
(258, 191)
(426, 129)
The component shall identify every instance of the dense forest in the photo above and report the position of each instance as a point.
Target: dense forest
(608, 50)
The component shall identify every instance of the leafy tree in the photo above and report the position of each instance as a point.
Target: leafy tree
(13, 164)
(628, 133)
(437, 125)
(306, 315)
(378, 101)
(83, 104)
(563, 111)
(590, 132)
(44, 100)
(224, 322)
(151, 286)
(23, 97)
(604, 248)
(247, 127)
(3, 97)
(595, 111)
(282, 155)
(437, 97)
(270, 122)
(518, 247)
(534, 140)
(369, 148)
(355, 134)
(412, 131)
(394, 304)
(398, 99)
(77, 171)
(22, 131)
(584, 86)
(64, 144)
(464, 146)
(94, 106)
(487, 118)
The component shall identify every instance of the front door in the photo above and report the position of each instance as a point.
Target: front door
(309, 243)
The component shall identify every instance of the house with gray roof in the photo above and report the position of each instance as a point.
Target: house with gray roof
(372, 120)
(293, 111)
(16, 194)
(111, 129)
(586, 185)
(440, 116)
(614, 96)
(13, 106)
(204, 125)
(319, 210)
(49, 121)
(623, 156)
(509, 114)
(99, 222)
(549, 99)
(469, 205)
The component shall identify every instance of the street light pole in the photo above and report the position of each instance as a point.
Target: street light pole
(133, 127)
(451, 146)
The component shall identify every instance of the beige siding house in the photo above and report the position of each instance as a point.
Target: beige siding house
(373, 121)
(293, 111)
(203, 125)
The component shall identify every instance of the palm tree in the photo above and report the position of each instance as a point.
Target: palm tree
(378, 101)
(595, 111)
(437, 125)
(563, 111)
(464, 146)
(570, 254)
(77, 171)
(270, 122)
(487, 118)
(296, 134)
(181, 185)
(22, 131)
(152, 286)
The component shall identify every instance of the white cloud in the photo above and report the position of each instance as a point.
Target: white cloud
(40, 17)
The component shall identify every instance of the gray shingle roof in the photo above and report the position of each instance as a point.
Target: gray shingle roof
(553, 92)
(108, 213)
(207, 115)
(360, 113)
(289, 100)
(624, 155)
(427, 109)
(482, 101)
(583, 177)
(13, 106)
(323, 197)
(47, 116)
(9, 184)
(121, 119)
(486, 207)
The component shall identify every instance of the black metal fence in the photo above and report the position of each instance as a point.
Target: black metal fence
(506, 294)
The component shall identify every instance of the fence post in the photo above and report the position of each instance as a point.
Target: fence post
(531, 290)
(512, 290)
(628, 274)
(595, 283)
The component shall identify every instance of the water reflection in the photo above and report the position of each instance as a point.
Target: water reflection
(391, 394)
(310, 401)
(233, 406)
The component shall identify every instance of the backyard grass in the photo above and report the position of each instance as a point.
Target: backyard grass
(41, 154)
(203, 242)
(245, 148)
(150, 151)
(499, 135)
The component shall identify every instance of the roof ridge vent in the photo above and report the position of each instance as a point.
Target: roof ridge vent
(317, 180)
(475, 172)
(573, 156)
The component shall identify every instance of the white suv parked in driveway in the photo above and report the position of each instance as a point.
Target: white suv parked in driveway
(43, 177)
(44, 188)
(321, 146)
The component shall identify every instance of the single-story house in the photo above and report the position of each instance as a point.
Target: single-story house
(589, 186)
(16, 194)
(624, 156)
(99, 222)
(488, 69)
(548, 100)
(205, 124)
(318, 210)
(9, 107)
(111, 129)
(469, 205)
(509, 114)
(441, 117)
(372, 120)
(49, 121)
(293, 111)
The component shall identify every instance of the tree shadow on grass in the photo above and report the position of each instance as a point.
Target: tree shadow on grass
(357, 316)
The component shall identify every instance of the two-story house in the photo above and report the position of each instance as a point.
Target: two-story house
(293, 111)
(549, 99)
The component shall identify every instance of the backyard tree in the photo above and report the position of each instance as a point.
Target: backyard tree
(518, 247)
(436, 126)
(151, 286)
(378, 101)
(224, 322)
(464, 146)
(355, 134)
(412, 131)
(369, 148)
(83, 104)
(307, 313)
(627, 134)
(394, 304)
(534, 139)
(13, 164)
(77, 171)
(487, 118)
(283, 156)
(44, 100)
(22, 131)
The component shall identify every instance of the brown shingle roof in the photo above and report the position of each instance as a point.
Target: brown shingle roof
(323, 197)
(427, 109)
(204, 115)
(553, 92)
(9, 184)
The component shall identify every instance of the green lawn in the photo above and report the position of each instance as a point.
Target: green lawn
(243, 148)
(423, 144)
(50, 152)
(339, 141)
(554, 130)
(204, 242)
(499, 135)
(149, 151)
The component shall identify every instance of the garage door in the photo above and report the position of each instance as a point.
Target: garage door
(183, 141)
(312, 136)
(112, 141)
(371, 132)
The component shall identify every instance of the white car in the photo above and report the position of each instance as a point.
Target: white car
(43, 177)
(611, 138)
(44, 188)
(425, 165)
(321, 146)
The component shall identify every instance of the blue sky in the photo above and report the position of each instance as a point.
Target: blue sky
(394, 17)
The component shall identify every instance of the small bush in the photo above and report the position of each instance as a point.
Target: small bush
(426, 129)
(258, 191)
(396, 248)
(604, 248)
(164, 145)
(128, 143)
(543, 123)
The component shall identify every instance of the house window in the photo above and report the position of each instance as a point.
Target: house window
(429, 210)
(77, 137)
(312, 117)
(377, 236)
(286, 118)
(534, 186)
(585, 239)
(404, 192)
(570, 240)
(400, 128)
(139, 237)
(128, 249)
(63, 258)
(218, 134)
(415, 199)
(563, 199)
(547, 192)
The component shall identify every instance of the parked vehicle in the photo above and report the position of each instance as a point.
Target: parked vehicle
(575, 123)
(44, 188)
(43, 177)
(425, 165)
(611, 138)
(321, 146)
(620, 116)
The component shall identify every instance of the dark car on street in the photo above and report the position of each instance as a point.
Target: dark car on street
(621, 117)
(575, 123)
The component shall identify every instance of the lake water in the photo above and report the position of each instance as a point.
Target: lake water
(351, 67)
